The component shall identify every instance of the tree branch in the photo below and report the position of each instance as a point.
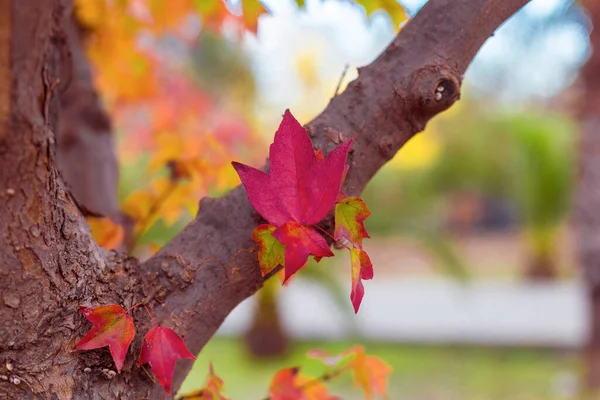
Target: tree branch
(85, 143)
(49, 264)
(390, 101)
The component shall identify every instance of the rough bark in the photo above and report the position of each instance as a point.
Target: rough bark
(49, 265)
(587, 200)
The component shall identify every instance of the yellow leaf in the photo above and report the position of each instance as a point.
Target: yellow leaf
(370, 373)
(392, 7)
(252, 10)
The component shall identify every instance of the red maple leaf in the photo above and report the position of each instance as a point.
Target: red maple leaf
(361, 269)
(300, 190)
(161, 349)
(112, 328)
(300, 241)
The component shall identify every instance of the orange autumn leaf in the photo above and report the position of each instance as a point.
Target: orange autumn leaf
(165, 198)
(106, 232)
(284, 385)
(289, 384)
(314, 389)
(212, 390)
(370, 373)
(138, 204)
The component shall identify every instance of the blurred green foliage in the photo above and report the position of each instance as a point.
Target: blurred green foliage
(432, 372)
(221, 68)
(523, 159)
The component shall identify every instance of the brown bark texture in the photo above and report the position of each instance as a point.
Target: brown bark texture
(587, 199)
(50, 265)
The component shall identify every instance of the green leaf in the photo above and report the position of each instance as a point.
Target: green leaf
(270, 250)
(350, 214)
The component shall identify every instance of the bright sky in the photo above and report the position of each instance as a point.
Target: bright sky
(536, 53)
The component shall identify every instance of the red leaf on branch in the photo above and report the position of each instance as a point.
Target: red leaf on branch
(300, 189)
(300, 241)
(305, 187)
(161, 349)
(112, 328)
(361, 269)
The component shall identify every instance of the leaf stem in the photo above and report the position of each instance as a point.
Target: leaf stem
(134, 306)
(150, 314)
(332, 238)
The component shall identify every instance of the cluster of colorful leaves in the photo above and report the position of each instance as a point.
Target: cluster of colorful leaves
(189, 146)
(301, 188)
(368, 372)
(188, 134)
(117, 27)
(113, 327)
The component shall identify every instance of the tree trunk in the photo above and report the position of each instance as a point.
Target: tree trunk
(86, 153)
(266, 337)
(587, 201)
(541, 266)
(49, 264)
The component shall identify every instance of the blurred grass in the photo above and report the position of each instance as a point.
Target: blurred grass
(420, 372)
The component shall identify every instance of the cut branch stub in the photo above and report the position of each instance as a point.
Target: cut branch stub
(433, 89)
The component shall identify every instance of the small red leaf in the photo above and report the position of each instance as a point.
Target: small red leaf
(161, 349)
(300, 241)
(112, 328)
(361, 269)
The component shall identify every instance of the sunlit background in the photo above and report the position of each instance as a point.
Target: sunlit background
(476, 292)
